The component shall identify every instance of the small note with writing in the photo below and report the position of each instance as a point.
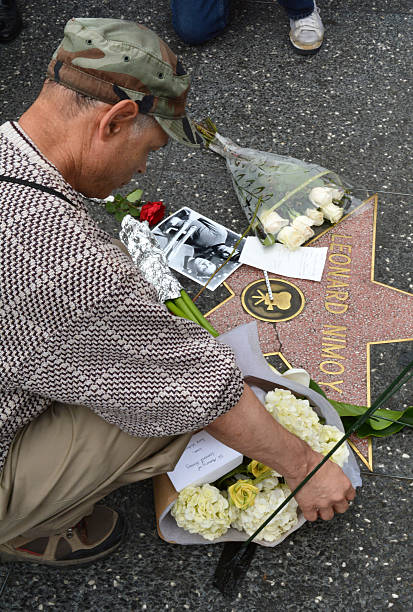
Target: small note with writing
(205, 459)
(304, 262)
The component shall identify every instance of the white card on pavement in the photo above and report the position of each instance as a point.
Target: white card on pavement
(305, 262)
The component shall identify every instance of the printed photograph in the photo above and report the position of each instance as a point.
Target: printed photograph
(196, 246)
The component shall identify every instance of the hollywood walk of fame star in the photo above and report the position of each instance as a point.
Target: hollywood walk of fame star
(342, 317)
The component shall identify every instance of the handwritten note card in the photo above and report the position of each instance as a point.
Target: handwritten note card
(204, 460)
(305, 262)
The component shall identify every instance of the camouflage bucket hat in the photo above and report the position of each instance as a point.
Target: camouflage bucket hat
(112, 60)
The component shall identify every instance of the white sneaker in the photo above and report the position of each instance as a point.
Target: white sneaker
(306, 35)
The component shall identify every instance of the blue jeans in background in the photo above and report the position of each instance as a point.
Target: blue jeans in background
(196, 21)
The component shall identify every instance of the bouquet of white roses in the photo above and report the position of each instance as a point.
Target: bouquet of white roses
(295, 195)
(245, 497)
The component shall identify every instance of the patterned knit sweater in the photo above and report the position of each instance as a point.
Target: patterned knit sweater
(79, 324)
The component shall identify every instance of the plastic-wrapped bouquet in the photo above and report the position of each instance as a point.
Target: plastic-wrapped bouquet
(295, 195)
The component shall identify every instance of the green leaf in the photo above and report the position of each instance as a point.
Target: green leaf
(404, 417)
(345, 410)
(119, 198)
(134, 212)
(222, 483)
(268, 240)
(119, 215)
(135, 196)
(365, 431)
(110, 207)
(375, 426)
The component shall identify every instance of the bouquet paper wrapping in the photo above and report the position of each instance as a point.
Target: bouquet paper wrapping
(245, 344)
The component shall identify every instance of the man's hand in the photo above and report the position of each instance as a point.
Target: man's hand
(327, 492)
(252, 431)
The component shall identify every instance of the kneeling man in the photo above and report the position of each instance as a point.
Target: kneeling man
(99, 383)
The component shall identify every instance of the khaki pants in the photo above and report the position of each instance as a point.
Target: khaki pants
(65, 461)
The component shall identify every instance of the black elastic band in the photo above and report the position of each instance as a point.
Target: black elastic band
(122, 95)
(57, 67)
(11, 179)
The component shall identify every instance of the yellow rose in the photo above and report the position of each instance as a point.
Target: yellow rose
(258, 469)
(242, 494)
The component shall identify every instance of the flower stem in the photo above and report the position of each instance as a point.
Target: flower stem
(172, 307)
(184, 308)
(203, 322)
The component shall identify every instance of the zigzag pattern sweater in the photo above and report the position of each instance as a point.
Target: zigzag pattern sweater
(79, 325)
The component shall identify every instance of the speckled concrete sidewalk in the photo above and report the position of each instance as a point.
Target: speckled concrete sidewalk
(349, 109)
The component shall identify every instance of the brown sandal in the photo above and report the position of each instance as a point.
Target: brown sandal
(94, 537)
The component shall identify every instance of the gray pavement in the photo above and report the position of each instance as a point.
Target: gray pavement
(349, 109)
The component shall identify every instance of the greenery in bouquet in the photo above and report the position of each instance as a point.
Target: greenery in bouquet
(295, 195)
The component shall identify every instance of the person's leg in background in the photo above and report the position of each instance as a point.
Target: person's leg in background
(196, 21)
(10, 21)
(307, 30)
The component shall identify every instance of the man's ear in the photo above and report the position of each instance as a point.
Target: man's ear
(119, 116)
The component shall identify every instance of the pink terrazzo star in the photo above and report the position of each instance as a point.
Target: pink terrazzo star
(343, 314)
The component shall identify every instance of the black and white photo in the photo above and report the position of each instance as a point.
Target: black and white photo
(196, 247)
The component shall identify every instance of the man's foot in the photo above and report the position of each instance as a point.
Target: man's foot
(10, 21)
(306, 35)
(93, 538)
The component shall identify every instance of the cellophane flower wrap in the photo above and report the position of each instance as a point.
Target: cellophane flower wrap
(288, 188)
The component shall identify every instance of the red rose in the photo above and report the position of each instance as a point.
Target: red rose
(153, 212)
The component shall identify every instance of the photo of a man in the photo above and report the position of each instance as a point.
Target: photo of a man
(197, 247)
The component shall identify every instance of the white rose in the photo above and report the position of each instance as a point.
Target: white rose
(272, 222)
(336, 193)
(303, 224)
(315, 215)
(321, 196)
(332, 212)
(291, 237)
